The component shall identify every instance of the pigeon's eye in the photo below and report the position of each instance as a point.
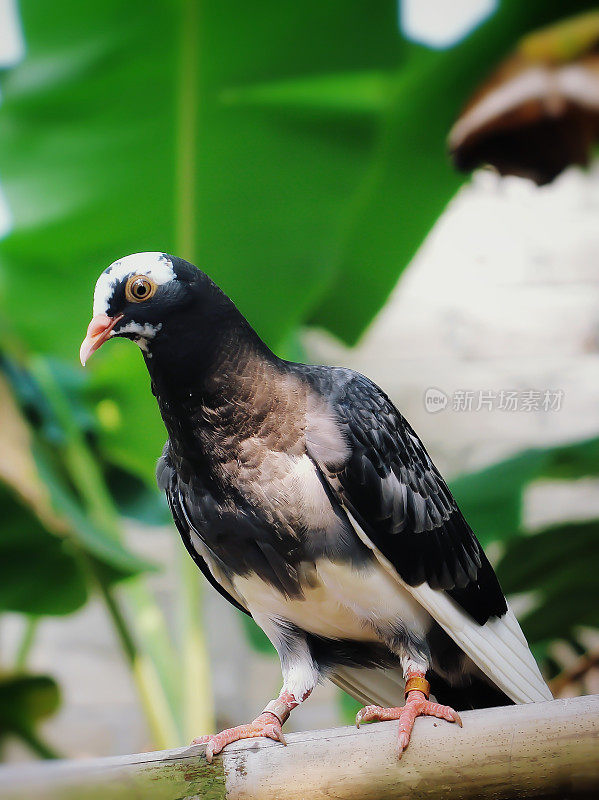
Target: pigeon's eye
(139, 288)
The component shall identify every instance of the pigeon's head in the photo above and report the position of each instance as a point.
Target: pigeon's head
(137, 296)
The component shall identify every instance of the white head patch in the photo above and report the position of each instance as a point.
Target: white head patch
(155, 265)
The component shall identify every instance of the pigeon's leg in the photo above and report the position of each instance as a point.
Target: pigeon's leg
(269, 724)
(417, 705)
(300, 676)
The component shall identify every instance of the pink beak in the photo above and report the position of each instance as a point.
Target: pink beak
(98, 331)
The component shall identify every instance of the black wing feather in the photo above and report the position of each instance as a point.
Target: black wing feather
(396, 494)
(167, 480)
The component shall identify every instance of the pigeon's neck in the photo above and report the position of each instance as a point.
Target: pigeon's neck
(196, 357)
(204, 376)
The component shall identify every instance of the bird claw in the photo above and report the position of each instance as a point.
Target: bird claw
(266, 725)
(416, 706)
(369, 714)
(200, 739)
(279, 737)
(209, 752)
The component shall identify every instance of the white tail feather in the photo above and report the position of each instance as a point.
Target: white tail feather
(498, 648)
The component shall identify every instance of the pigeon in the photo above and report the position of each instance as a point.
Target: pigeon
(307, 500)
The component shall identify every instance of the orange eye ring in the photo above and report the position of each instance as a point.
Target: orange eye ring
(139, 288)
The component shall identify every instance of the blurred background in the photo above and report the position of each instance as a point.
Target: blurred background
(316, 159)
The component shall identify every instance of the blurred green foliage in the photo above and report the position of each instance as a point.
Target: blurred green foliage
(39, 574)
(26, 700)
(296, 152)
(560, 565)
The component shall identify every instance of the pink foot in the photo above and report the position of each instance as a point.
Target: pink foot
(416, 706)
(265, 725)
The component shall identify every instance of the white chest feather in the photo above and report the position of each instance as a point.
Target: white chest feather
(342, 602)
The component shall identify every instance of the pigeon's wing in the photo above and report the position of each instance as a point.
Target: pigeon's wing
(168, 482)
(400, 506)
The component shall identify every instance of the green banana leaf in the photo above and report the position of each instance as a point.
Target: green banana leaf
(491, 498)
(558, 568)
(39, 572)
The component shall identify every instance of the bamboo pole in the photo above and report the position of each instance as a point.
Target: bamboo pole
(548, 750)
